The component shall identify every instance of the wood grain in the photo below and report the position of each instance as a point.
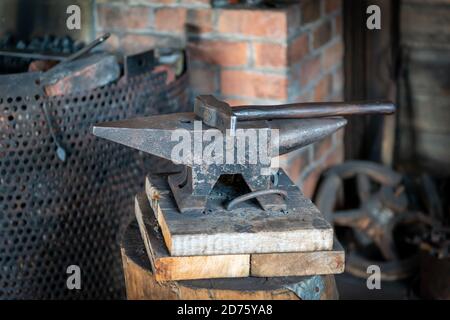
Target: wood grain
(166, 267)
(246, 230)
(298, 263)
(141, 283)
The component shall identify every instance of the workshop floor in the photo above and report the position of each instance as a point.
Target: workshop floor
(353, 288)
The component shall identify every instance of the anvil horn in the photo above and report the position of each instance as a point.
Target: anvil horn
(298, 133)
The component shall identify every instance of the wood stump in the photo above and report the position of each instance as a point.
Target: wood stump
(142, 285)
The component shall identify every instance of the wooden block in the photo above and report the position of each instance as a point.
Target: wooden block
(248, 229)
(299, 263)
(141, 283)
(166, 267)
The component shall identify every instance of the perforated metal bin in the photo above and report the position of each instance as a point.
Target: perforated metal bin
(54, 214)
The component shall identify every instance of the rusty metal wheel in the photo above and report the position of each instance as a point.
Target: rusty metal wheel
(382, 207)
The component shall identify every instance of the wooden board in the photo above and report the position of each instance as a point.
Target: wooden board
(166, 267)
(298, 263)
(141, 284)
(248, 229)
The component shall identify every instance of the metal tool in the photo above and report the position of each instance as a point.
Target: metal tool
(88, 47)
(192, 186)
(60, 150)
(219, 114)
(45, 78)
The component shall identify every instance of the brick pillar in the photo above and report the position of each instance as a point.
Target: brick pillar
(247, 56)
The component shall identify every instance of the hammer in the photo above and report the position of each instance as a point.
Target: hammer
(219, 114)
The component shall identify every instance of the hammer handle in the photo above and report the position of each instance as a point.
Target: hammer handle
(312, 110)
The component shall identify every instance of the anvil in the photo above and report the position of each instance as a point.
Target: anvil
(162, 135)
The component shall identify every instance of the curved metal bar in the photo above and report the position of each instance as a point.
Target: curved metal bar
(255, 194)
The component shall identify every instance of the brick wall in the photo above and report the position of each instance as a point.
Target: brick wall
(255, 56)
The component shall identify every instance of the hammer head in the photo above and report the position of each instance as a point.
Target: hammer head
(215, 113)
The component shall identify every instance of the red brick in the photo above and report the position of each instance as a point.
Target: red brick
(170, 19)
(238, 102)
(322, 147)
(310, 11)
(223, 53)
(305, 97)
(298, 48)
(260, 23)
(332, 5)
(338, 81)
(296, 162)
(134, 43)
(202, 80)
(270, 55)
(310, 70)
(322, 34)
(123, 17)
(340, 136)
(335, 157)
(199, 21)
(113, 42)
(333, 55)
(253, 84)
(309, 184)
(323, 89)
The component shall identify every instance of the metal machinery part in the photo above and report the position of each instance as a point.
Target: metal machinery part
(54, 214)
(379, 212)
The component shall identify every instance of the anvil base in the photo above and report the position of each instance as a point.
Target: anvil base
(246, 229)
(169, 268)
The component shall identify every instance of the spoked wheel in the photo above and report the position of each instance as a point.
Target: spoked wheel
(382, 207)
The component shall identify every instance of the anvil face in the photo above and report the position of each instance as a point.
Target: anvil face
(209, 153)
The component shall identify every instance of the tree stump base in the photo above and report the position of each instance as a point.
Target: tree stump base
(142, 285)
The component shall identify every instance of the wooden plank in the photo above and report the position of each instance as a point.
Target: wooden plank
(429, 113)
(298, 263)
(248, 229)
(141, 283)
(425, 24)
(166, 267)
(429, 149)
